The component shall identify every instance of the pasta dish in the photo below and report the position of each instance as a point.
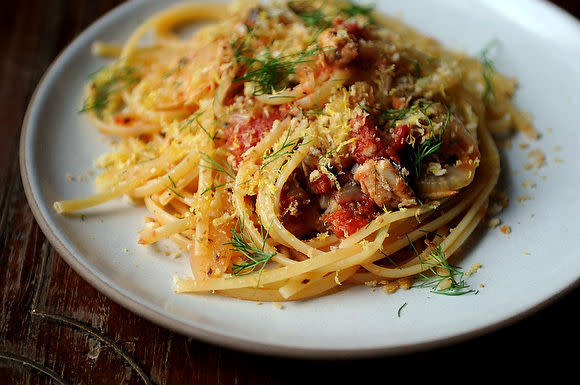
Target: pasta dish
(293, 148)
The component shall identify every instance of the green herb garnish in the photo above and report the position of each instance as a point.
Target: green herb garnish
(313, 17)
(256, 256)
(288, 147)
(487, 70)
(429, 146)
(178, 67)
(354, 9)
(171, 180)
(400, 309)
(175, 192)
(215, 165)
(212, 188)
(105, 84)
(452, 274)
(269, 73)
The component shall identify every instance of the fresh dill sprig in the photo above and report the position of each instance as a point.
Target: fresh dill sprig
(429, 146)
(400, 309)
(441, 272)
(396, 114)
(178, 67)
(256, 258)
(105, 83)
(195, 119)
(313, 17)
(487, 70)
(288, 147)
(171, 180)
(390, 259)
(269, 73)
(172, 189)
(215, 165)
(354, 9)
(212, 188)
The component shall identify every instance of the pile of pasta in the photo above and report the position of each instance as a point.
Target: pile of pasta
(218, 194)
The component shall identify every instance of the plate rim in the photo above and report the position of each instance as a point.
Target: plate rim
(199, 332)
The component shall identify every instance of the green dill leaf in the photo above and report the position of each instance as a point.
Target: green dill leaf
(391, 259)
(487, 70)
(354, 9)
(171, 180)
(438, 261)
(175, 192)
(288, 147)
(431, 145)
(313, 17)
(269, 73)
(400, 309)
(180, 64)
(212, 188)
(256, 258)
(215, 165)
(105, 84)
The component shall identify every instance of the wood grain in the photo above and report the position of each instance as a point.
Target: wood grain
(56, 329)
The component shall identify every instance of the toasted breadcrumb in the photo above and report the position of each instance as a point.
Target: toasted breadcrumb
(390, 287)
(538, 159)
(523, 198)
(493, 223)
(528, 184)
(498, 202)
(277, 305)
(473, 269)
(505, 229)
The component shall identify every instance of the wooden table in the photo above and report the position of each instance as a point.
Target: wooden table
(56, 329)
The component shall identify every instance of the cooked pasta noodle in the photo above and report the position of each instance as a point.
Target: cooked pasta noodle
(293, 147)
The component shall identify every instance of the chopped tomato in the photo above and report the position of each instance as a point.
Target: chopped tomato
(355, 30)
(368, 144)
(351, 216)
(243, 136)
(397, 142)
(321, 185)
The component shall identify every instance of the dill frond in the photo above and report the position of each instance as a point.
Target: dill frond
(487, 71)
(353, 9)
(256, 258)
(217, 166)
(288, 147)
(313, 17)
(269, 73)
(106, 83)
(431, 145)
(437, 262)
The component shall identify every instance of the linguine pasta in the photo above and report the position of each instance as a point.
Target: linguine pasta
(292, 148)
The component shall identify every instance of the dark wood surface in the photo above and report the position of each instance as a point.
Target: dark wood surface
(56, 329)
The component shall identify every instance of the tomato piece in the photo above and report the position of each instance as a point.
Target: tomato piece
(351, 216)
(397, 142)
(243, 136)
(368, 144)
(321, 185)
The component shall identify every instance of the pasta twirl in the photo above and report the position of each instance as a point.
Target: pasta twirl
(295, 147)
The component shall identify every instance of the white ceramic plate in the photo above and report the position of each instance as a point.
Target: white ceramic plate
(521, 271)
